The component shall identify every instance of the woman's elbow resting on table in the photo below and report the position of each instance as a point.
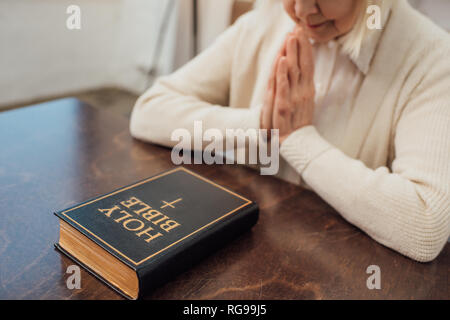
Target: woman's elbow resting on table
(138, 127)
(430, 240)
(423, 231)
(435, 231)
(146, 121)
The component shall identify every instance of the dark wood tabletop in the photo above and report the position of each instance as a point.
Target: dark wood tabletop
(57, 154)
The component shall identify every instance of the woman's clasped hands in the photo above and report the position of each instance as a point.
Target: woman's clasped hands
(289, 99)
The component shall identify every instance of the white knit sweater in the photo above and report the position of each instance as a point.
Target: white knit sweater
(390, 173)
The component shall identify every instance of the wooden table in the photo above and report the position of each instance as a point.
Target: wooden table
(57, 154)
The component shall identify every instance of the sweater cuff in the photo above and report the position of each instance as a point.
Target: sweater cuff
(303, 146)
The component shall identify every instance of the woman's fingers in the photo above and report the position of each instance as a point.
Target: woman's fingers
(293, 60)
(272, 78)
(306, 60)
(285, 74)
(267, 111)
(282, 52)
(282, 93)
(282, 109)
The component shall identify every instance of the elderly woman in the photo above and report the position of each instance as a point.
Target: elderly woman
(363, 113)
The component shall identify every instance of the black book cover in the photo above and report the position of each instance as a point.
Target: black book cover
(162, 225)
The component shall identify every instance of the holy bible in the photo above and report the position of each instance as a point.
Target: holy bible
(142, 235)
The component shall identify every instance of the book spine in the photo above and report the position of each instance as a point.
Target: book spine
(185, 256)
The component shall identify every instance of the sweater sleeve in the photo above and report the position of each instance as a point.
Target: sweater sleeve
(199, 91)
(405, 207)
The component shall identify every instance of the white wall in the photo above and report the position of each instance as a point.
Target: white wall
(38, 49)
(437, 10)
(41, 58)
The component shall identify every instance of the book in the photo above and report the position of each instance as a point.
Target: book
(140, 236)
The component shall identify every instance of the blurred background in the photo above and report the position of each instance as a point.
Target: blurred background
(121, 47)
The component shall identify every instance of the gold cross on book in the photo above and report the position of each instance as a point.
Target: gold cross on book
(170, 204)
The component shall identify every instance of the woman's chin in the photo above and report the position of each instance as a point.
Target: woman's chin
(321, 37)
(321, 34)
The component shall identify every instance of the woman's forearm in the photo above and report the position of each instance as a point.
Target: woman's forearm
(163, 110)
(408, 216)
